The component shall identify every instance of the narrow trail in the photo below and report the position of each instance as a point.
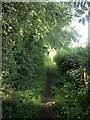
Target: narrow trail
(48, 103)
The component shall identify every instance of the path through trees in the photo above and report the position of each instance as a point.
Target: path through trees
(48, 103)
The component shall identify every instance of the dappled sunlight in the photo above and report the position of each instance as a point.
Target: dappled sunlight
(27, 109)
(43, 75)
(28, 96)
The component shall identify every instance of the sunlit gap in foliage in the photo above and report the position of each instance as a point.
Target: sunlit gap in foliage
(49, 57)
(82, 30)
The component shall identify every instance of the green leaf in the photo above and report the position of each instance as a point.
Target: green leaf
(77, 15)
(89, 13)
(81, 4)
(87, 17)
(80, 11)
(74, 4)
(88, 4)
(83, 21)
(84, 3)
(78, 4)
(79, 20)
(84, 8)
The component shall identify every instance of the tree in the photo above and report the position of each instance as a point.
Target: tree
(81, 8)
(25, 27)
(29, 29)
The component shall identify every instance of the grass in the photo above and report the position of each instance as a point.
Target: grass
(70, 104)
(26, 103)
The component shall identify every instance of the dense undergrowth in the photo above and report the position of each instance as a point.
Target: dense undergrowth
(70, 104)
(26, 103)
(69, 90)
(30, 32)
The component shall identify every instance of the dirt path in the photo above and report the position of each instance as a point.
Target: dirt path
(48, 103)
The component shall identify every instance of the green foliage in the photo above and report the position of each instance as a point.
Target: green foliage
(67, 105)
(29, 29)
(62, 37)
(25, 27)
(81, 9)
(69, 91)
(26, 103)
(73, 58)
(70, 104)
